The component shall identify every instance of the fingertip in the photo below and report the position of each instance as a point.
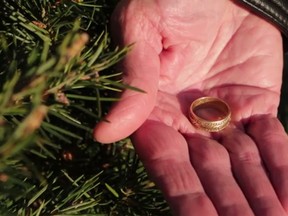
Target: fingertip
(120, 123)
(106, 132)
(100, 134)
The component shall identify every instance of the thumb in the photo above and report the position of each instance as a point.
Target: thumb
(141, 67)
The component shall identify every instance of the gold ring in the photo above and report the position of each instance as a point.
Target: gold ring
(210, 114)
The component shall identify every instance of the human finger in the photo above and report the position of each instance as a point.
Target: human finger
(272, 142)
(211, 162)
(165, 155)
(133, 107)
(250, 174)
(141, 69)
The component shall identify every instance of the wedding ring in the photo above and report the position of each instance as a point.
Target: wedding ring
(210, 114)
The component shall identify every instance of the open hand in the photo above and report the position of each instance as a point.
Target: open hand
(184, 50)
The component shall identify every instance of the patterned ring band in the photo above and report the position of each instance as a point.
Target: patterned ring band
(219, 121)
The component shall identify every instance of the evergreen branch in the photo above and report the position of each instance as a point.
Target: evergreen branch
(37, 195)
(7, 91)
(72, 121)
(49, 163)
(18, 140)
(120, 85)
(89, 98)
(60, 130)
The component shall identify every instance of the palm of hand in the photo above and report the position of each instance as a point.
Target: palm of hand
(219, 60)
(185, 52)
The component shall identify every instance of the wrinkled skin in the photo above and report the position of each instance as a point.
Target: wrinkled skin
(184, 49)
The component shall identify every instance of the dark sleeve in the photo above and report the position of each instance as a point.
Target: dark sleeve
(275, 11)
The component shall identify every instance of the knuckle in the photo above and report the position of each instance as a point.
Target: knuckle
(242, 148)
(210, 154)
(248, 157)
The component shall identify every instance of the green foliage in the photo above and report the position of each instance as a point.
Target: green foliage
(57, 80)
